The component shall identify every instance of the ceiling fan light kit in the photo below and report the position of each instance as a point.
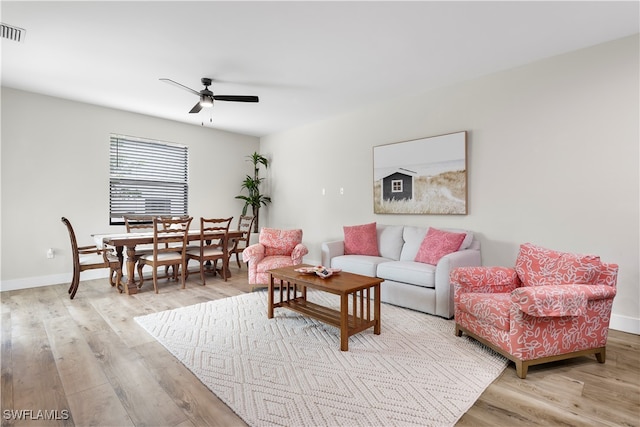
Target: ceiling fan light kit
(207, 97)
(206, 101)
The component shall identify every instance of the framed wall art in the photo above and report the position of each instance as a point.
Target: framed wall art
(423, 176)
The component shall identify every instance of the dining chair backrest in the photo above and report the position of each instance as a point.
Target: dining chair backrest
(245, 224)
(74, 244)
(136, 223)
(170, 235)
(238, 244)
(210, 226)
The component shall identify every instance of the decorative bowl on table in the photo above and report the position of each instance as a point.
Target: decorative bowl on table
(307, 270)
(319, 270)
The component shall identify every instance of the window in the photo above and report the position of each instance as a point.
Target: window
(147, 178)
(396, 186)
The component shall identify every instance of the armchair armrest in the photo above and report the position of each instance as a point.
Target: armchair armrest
(559, 300)
(108, 252)
(89, 249)
(485, 279)
(298, 252)
(331, 250)
(253, 253)
(608, 275)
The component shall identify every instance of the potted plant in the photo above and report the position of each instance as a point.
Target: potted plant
(252, 184)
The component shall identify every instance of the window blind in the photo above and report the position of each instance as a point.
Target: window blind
(147, 178)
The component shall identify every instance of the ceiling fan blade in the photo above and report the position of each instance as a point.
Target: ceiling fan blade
(180, 86)
(236, 98)
(196, 108)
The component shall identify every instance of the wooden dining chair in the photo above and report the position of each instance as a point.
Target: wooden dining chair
(190, 245)
(141, 224)
(238, 244)
(91, 258)
(170, 237)
(212, 250)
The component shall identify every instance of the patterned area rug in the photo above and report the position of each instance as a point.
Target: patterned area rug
(289, 371)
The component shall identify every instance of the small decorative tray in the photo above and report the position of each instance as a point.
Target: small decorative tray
(317, 268)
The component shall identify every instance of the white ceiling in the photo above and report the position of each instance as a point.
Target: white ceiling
(305, 60)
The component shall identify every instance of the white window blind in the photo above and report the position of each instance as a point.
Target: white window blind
(147, 178)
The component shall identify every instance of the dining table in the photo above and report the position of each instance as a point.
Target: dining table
(120, 241)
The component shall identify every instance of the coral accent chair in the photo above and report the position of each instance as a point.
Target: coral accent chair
(275, 248)
(551, 306)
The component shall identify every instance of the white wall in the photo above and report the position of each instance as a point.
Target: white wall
(553, 159)
(55, 162)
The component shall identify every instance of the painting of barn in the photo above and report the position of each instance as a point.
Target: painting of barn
(421, 176)
(397, 186)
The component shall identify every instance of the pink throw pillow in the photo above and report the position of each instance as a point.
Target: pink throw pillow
(361, 240)
(438, 243)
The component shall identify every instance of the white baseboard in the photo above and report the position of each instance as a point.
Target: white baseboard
(55, 279)
(625, 324)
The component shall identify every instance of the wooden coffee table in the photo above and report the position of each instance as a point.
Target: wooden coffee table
(350, 319)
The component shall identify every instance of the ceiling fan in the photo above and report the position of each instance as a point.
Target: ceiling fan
(207, 97)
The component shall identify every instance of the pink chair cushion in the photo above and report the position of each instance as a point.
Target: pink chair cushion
(492, 309)
(537, 266)
(438, 243)
(361, 240)
(279, 242)
(273, 262)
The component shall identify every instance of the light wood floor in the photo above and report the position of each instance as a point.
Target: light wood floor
(90, 358)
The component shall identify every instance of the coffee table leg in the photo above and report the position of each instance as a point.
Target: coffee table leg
(270, 298)
(376, 309)
(344, 322)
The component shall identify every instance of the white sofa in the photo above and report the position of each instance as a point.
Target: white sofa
(407, 283)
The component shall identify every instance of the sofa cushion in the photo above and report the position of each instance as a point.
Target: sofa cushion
(390, 241)
(279, 242)
(413, 237)
(438, 243)
(414, 273)
(361, 240)
(538, 266)
(358, 264)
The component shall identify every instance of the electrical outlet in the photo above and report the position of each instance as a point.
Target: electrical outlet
(50, 253)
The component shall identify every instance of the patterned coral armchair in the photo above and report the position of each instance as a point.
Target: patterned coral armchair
(551, 306)
(275, 248)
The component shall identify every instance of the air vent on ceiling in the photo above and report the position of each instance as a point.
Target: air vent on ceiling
(12, 33)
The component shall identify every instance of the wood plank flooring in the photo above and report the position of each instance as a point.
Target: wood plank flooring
(86, 362)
